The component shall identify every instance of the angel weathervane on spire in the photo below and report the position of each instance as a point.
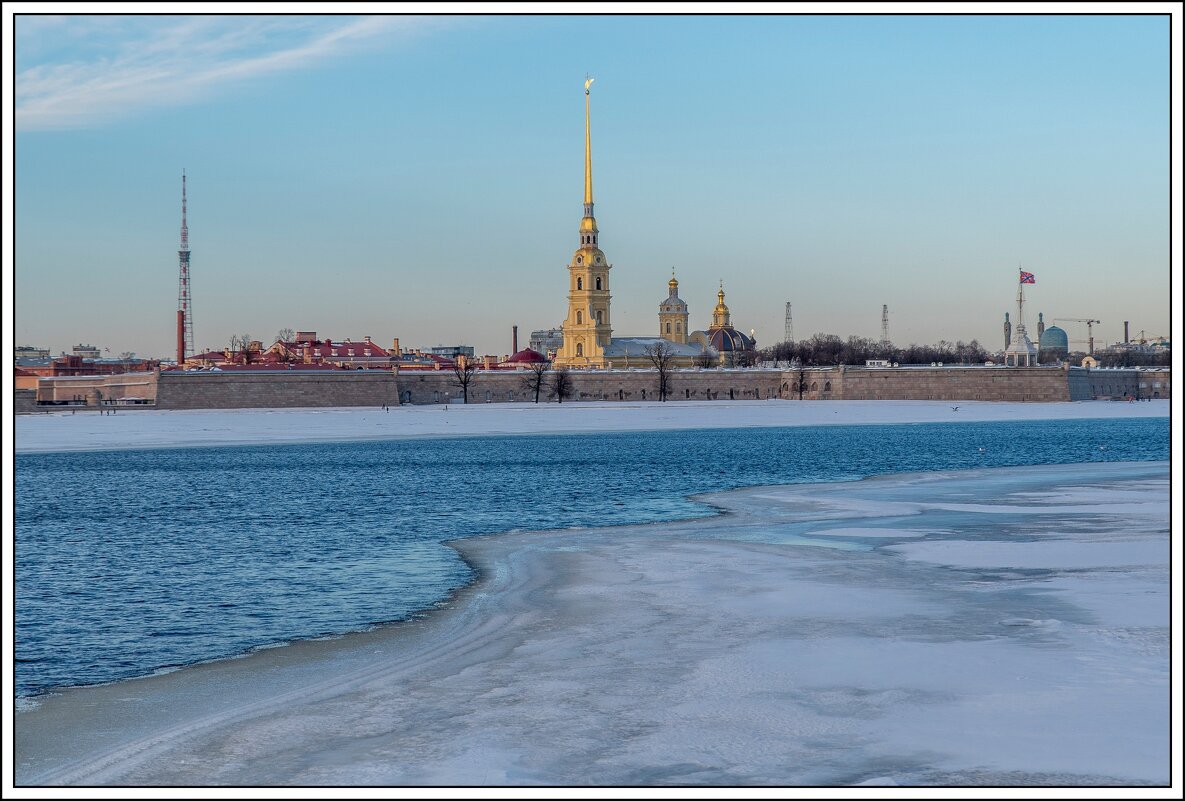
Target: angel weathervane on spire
(588, 79)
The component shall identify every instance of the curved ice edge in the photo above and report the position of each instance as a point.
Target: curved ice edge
(716, 503)
(483, 559)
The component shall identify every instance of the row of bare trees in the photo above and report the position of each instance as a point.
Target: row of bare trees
(557, 382)
(824, 350)
(540, 378)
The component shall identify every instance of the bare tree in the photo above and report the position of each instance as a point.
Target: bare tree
(662, 356)
(704, 359)
(240, 348)
(536, 378)
(463, 370)
(285, 335)
(799, 383)
(561, 384)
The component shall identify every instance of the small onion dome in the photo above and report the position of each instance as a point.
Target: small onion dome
(729, 340)
(527, 356)
(672, 302)
(1054, 338)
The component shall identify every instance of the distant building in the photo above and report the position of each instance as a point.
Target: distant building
(547, 341)
(1054, 345)
(76, 365)
(30, 352)
(452, 351)
(87, 351)
(306, 348)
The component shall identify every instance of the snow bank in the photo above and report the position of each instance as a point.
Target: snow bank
(134, 428)
(710, 652)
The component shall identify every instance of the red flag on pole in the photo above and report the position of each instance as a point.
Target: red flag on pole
(1027, 278)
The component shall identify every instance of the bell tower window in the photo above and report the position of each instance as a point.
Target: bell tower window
(580, 283)
(579, 317)
(598, 282)
(579, 348)
(599, 320)
(580, 260)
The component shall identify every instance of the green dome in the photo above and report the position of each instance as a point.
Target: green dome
(1054, 338)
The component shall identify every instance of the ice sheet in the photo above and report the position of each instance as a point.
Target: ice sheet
(62, 431)
(704, 652)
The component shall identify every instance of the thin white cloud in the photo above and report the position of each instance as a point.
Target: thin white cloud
(149, 62)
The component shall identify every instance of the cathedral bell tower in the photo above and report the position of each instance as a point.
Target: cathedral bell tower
(586, 328)
(672, 314)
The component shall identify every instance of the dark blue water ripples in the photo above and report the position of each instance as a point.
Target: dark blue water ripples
(128, 562)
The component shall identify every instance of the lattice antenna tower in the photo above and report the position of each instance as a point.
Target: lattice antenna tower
(885, 324)
(184, 298)
(789, 324)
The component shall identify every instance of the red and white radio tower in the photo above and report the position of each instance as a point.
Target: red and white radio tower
(184, 299)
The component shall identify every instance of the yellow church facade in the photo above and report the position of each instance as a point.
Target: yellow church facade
(588, 340)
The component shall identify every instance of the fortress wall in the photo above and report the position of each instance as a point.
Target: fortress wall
(24, 401)
(92, 389)
(945, 383)
(594, 385)
(1120, 383)
(243, 390)
(231, 390)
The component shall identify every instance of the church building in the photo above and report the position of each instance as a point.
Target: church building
(588, 340)
(721, 339)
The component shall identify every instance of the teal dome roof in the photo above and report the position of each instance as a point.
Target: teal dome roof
(1054, 338)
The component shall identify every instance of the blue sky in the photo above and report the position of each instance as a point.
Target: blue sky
(421, 177)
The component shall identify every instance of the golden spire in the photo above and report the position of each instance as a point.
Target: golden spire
(588, 193)
(588, 225)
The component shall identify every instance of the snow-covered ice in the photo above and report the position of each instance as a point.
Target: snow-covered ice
(721, 651)
(136, 428)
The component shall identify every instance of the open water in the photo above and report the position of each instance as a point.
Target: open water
(131, 562)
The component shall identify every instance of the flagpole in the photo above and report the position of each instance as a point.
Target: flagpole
(1020, 300)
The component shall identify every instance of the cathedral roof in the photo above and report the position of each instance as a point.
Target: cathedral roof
(729, 340)
(672, 302)
(636, 346)
(527, 356)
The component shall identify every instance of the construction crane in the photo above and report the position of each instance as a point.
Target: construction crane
(1089, 329)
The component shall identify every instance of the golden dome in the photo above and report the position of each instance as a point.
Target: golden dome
(588, 225)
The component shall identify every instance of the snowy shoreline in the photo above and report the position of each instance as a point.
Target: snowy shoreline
(134, 429)
(929, 628)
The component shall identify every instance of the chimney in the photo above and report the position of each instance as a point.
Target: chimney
(395, 346)
(367, 338)
(514, 340)
(1125, 339)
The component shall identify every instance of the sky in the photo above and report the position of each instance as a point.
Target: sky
(421, 177)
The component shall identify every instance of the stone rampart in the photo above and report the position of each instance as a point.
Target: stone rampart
(280, 389)
(930, 383)
(24, 401)
(275, 389)
(593, 385)
(95, 389)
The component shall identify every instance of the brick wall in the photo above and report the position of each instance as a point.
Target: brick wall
(258, 390)
(932, 383)
(91, 388)
(594, 385)
(231, 390)
(24, 401)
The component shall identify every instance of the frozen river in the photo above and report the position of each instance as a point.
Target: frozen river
(991, 626)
